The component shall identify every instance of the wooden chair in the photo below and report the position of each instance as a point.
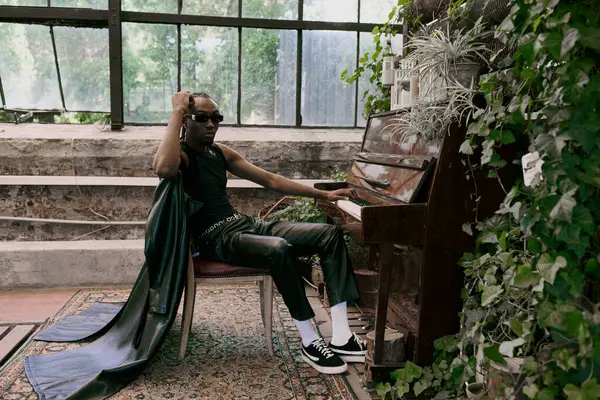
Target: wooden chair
(202, 271)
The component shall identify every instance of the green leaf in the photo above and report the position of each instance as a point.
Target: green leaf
(563, 210)
(401, 388)
(496, 161)
(525, 277)
(554, 43)
(546, 394)
(508, 137)
(412, 371)
(419, 388)
(490, 293)
(493, 353)
(528, 73)
(569, 233)
(590, 37)
(573, 321)
(592, 267)
(465, 147)
(590, 390)
(375, 30)
(534, 245)
(549, 316)
(531, 390)
(527, 51)
(584, 219)
(548, 267)
(383, 389)
(489, 237)
(517, 327)
(507, 348)
(571, 37)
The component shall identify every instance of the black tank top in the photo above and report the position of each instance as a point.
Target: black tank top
(205, 180)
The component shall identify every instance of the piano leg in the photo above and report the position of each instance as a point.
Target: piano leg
(383, 291)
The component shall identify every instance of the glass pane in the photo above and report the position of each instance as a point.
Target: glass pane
(364, 82)
(209, 63)
(225, 8)
(84, 67)
(158, 6)
(96, 4)
(376, 11)
(269, 76)
(29, 3)
(326, 100)
(149, 71)
(366, 45)
(274, 9)
(27, 67)
(331, 10)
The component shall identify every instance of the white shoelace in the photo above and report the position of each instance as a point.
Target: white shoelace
(359, 340)
(323, 348)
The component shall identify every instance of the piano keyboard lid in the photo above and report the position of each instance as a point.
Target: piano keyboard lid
(389, 165)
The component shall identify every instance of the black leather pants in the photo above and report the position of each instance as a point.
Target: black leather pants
(255, 243)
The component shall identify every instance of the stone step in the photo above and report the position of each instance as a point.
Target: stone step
(66, 150)
(69, 263)
(67, 208)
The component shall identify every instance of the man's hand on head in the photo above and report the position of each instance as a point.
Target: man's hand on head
(340, 194)
(182, 101)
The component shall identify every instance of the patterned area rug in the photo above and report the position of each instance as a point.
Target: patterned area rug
(227, 356)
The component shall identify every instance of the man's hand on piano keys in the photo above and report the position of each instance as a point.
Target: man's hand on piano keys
(340, 194)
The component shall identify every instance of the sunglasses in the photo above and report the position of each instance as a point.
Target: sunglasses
(203, 117)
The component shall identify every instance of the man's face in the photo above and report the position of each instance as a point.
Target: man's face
(202, 133)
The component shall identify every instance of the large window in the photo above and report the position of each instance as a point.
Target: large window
(266, 62)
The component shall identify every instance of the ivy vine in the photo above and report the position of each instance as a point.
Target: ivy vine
(530, 324)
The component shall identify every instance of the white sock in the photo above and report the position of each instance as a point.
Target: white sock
(307, 332)
(339, 321)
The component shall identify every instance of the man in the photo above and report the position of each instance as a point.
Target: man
(222, 234)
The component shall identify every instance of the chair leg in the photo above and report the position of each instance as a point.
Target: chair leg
(261, 291)
(188, 308)
(268, 312)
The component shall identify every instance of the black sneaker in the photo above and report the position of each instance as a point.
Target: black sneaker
(321, 358)
(353, 351)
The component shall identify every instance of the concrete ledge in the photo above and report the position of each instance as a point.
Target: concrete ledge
(117, 198)
(74, 263)
(32, 149)
(28, 180)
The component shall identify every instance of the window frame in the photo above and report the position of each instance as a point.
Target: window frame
(113, 17)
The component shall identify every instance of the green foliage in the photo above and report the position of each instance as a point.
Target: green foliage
(302, 210)
(372, 63)
(532, 290)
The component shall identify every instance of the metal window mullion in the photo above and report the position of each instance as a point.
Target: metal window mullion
(239, 78)
(115, 50)
(356, 83)
(178, 57)
(356, 67)
(60, 85)
(90, 18)
(179, 9)
(2, 94)
(299, 54)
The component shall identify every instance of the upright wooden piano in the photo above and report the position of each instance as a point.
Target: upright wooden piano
(414, 194)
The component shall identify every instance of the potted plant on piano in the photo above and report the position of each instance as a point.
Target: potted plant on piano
(448, 57)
